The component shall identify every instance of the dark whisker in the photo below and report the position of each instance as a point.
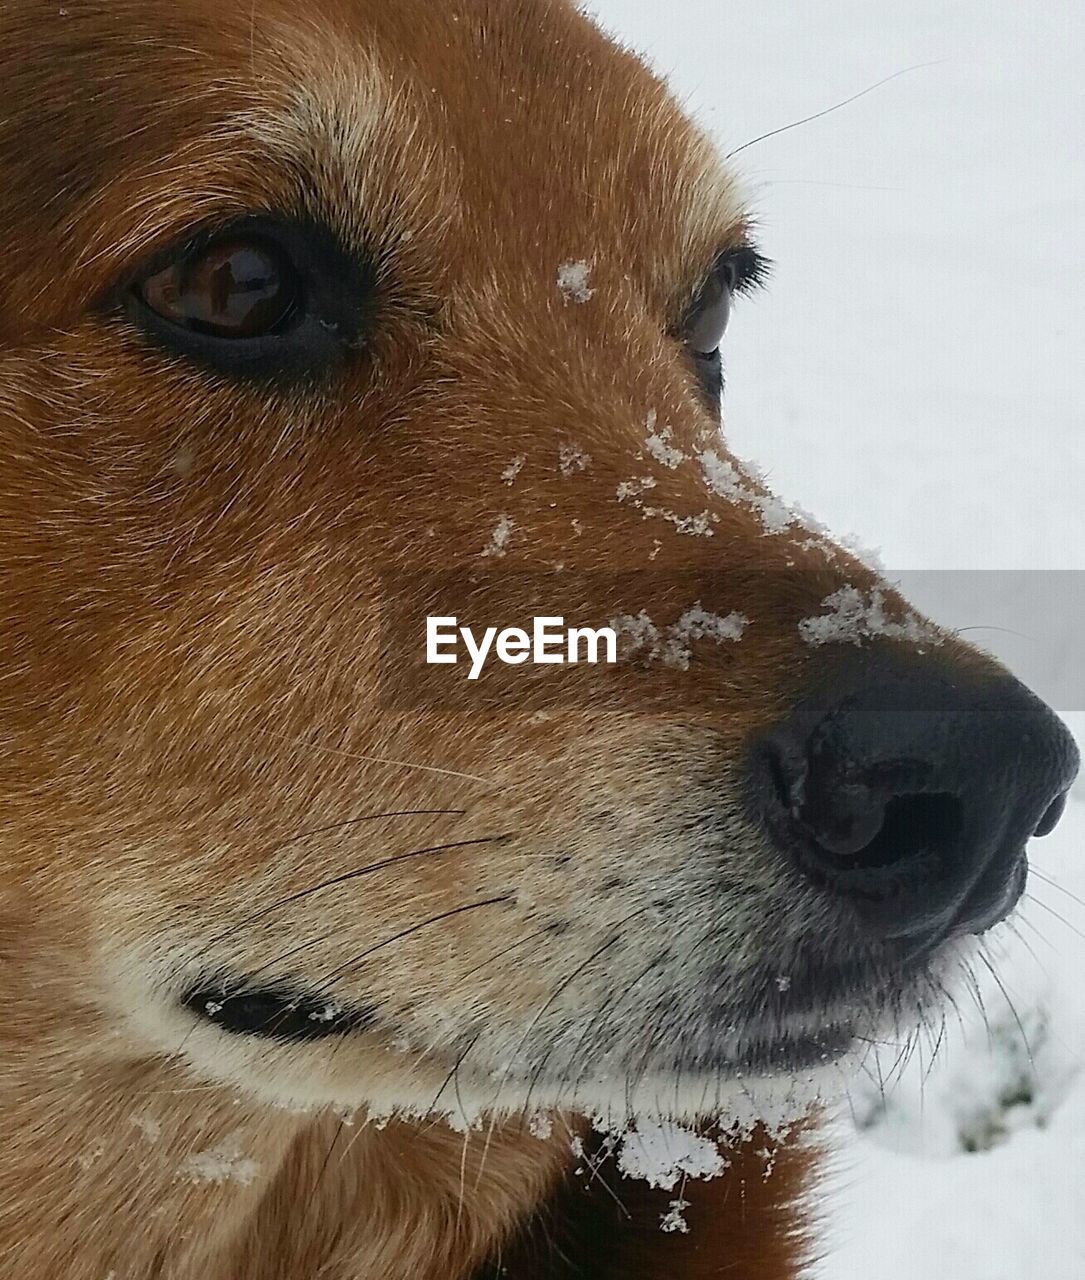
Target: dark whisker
(351, 822)
(614, 939)
(1031, 897)
(414, 928)
(344, 878)
(448, 1079)
(347, 876)
(327, 1157)
(1022, 920)
(936, 1048)
(1010, 1004)
(1054, 884)
(1012, 927)
(826, 111)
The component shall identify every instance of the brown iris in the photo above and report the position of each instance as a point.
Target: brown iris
(232, 289)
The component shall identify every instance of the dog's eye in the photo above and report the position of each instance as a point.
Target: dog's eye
(735, 271)
(263, 298)
(711, 310)
(234, 289)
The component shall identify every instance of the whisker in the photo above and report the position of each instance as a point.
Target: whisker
(448, 1080)
(977, 998)
(554, 995)
(1031, 897)
(346, 877)
(415, 928)
(608, 1006)
(826, 111)
(1021, 919)
(936, 1048)
(398, 764)
(327, 1158)
(615, 938)
(1010, 1004)
(309, 832)
(1048, 880)
(328, 979)
(1028, 947)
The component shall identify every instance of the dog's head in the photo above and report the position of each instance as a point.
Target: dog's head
(318, 317)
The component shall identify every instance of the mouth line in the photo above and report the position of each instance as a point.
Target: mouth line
(784, 1053)
(283, 1012)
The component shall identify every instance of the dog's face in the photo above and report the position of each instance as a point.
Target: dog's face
(299, 305)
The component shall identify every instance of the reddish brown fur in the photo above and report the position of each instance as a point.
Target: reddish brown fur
(188, 622)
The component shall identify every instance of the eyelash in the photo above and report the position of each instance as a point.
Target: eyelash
(751, 268)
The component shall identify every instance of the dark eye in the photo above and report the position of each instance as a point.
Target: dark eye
(233, 289)
(262, 298)
(711, 310)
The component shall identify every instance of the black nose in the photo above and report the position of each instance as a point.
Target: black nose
(911, 791)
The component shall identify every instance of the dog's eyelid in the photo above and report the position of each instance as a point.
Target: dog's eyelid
(744, 268)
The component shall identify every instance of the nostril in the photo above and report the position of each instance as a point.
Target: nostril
(911, 826)
(912, 795)
(864, 823)
(843, 821)
(1050, 820)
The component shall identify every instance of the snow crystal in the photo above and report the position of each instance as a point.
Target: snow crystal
(632, 488)
(514, 468)
(724, 479)
(852, 618)
(657, 445)
(541, 1126)
(571, 459)
(499, 539)
(776, 516)
(869, 556)
(90, 1157)
(699, 526)
(674, 1219)
(699, 624)
(672, 645)
(573, 278)
(783, 983)
(148, 1126)
(661, 1153)
(640, 629)
(219, 1166)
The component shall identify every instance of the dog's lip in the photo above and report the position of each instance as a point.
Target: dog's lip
(794, 1053)
(284, 1012)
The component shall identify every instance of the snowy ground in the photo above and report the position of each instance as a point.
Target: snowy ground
(913, 375)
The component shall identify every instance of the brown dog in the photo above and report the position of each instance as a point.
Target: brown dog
(317, 321)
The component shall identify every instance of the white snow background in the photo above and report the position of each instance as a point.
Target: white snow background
(914, 374)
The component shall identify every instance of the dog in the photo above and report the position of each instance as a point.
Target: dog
(318, 959)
